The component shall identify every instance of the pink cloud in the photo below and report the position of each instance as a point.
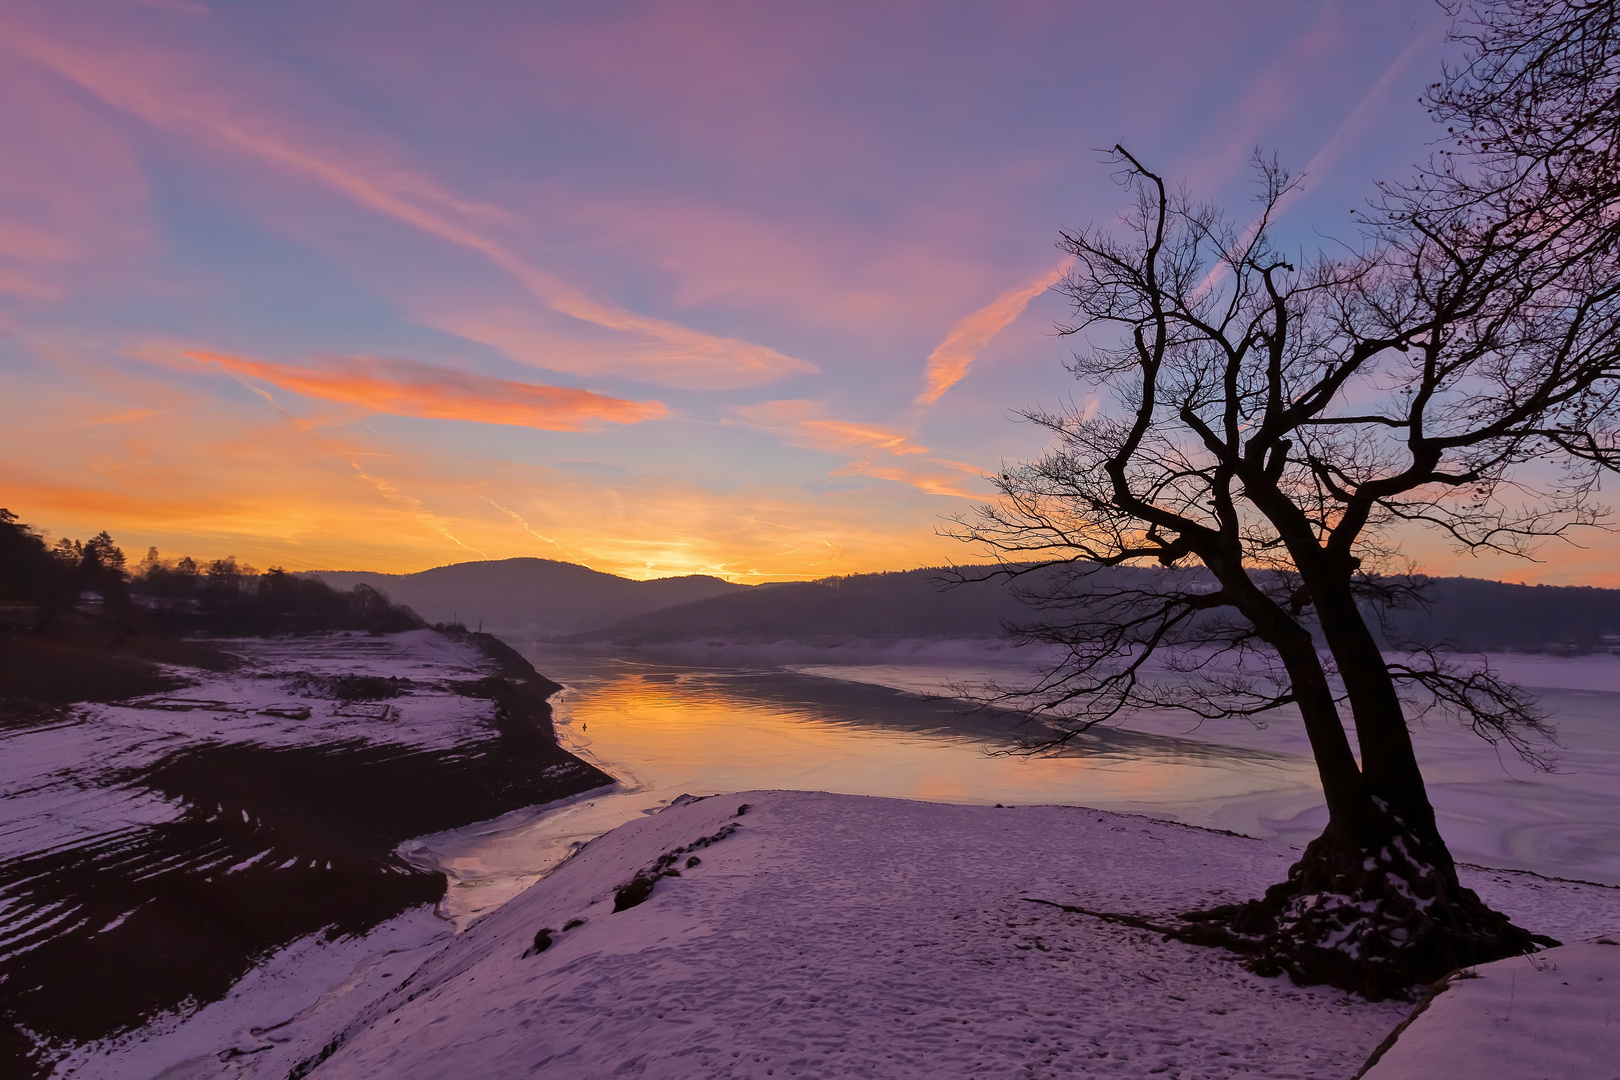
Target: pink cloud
(950, 360)
(597, 190)
(405, 388)
(809, 266)
(528, 337)
(72, 198)
(176, 92)
(876, 450)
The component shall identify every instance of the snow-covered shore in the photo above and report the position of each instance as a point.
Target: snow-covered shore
(156, 852)
(825, 935)
(830, 935)
(1551, 1016)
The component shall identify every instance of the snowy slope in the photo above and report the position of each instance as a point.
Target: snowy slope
(838, 935)
(51, 786)
(1552, 1016)
(153, 852)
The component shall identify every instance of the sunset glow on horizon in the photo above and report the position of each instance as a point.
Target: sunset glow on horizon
(745, 290)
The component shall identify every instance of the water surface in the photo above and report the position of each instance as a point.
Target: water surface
(665, 727)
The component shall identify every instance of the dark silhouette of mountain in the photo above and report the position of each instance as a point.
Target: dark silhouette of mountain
(1495, 616)
(530, 596)
(1466, 613)
(895, 604)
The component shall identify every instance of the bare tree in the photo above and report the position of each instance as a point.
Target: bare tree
(1534, 112)
(1270, 426)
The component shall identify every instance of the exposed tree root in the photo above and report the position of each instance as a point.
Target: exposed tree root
(1382, 923)
(1378, 921)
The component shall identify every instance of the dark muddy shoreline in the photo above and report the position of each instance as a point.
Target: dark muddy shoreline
(107, 932)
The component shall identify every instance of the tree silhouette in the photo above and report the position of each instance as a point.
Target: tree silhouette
(28, 572)
(1229, 512)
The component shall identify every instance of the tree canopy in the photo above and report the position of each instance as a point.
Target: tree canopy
(1265, 426)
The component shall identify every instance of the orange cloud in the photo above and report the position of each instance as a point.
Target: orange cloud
(952, 358)
(166, 90)
(280, 493)
(212, 475)
(801, 422)
(405, 388)
(877, 450)
(936, 476)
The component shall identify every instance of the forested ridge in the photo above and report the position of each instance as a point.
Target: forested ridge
(78, 622)
(174, 595)
(1466, 614)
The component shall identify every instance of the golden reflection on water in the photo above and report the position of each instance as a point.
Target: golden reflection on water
(707, 730)
(665, 729)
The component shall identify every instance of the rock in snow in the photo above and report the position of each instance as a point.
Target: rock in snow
(832, 935)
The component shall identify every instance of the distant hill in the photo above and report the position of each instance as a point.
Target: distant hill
(544, 598)
(1494, 616)
(541, 597)
(897, 604)
(1468, 613)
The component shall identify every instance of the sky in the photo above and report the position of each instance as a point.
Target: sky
(753, 290)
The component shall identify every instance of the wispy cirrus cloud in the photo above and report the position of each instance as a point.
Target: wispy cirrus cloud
(176, 92)
(72, 197)
(875, 450)
(804, 423)
(601, 192)
(529, 338)
(934, 476)
(407, 388)
(950, 360)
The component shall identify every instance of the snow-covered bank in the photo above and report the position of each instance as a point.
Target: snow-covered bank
(308, 988)
(907, 918)
(153, 852)
(838, 935)
(1552, 1016)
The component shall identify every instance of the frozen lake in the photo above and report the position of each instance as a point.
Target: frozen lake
(865, 724)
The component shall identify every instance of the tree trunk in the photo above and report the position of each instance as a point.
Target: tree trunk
(1388, 761)
(1350, 807)
(1374, 904)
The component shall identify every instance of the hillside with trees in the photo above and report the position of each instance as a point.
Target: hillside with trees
(79, 623)
(1462, 614)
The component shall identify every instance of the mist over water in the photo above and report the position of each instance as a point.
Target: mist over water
(868, 725)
